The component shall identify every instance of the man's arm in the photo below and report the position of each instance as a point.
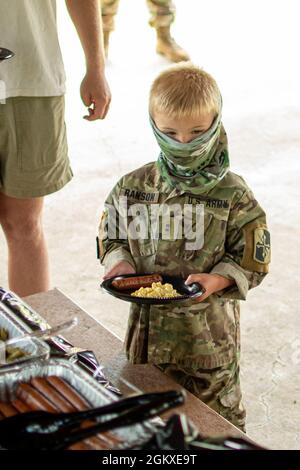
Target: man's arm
(95, 92)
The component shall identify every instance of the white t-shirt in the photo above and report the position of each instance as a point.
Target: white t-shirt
(29, 29)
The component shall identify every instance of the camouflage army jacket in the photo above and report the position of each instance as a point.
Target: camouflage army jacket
(236, 245)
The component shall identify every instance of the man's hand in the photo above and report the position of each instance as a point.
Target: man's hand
(95, 94)
(121, 268)
(211, 282)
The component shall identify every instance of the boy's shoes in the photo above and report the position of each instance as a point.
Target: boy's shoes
(167, 46)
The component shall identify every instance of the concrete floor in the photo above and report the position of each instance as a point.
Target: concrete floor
(259, 76)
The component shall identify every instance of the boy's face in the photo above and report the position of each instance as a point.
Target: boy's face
(183, 129)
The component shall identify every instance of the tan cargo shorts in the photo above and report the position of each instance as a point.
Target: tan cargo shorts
(33, 146)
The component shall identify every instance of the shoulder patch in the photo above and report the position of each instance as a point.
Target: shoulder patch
(257, 251)
(262, 246)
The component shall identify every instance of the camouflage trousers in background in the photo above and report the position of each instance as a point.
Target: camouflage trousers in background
(218, 388)
(162, 13)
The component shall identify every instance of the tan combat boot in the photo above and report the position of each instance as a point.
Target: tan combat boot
(167, 46)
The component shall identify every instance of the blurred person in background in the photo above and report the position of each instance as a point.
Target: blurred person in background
(162, 16)
(34, 158)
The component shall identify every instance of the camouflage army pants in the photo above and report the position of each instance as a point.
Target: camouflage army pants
(162, 13)
(219, 388)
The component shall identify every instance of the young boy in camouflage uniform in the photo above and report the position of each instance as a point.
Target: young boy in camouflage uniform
(196, 343)
(162, 16)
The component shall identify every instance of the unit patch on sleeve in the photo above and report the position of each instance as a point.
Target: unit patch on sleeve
(262, 246)
(257, 249)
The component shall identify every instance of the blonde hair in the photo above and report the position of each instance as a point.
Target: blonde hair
(184, 90)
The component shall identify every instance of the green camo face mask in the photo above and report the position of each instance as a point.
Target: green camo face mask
(195, 166)
(186, 159)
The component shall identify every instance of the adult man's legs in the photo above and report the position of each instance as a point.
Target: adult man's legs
(28, 266)
(162, 15)
(109, 9)
(33, 163)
